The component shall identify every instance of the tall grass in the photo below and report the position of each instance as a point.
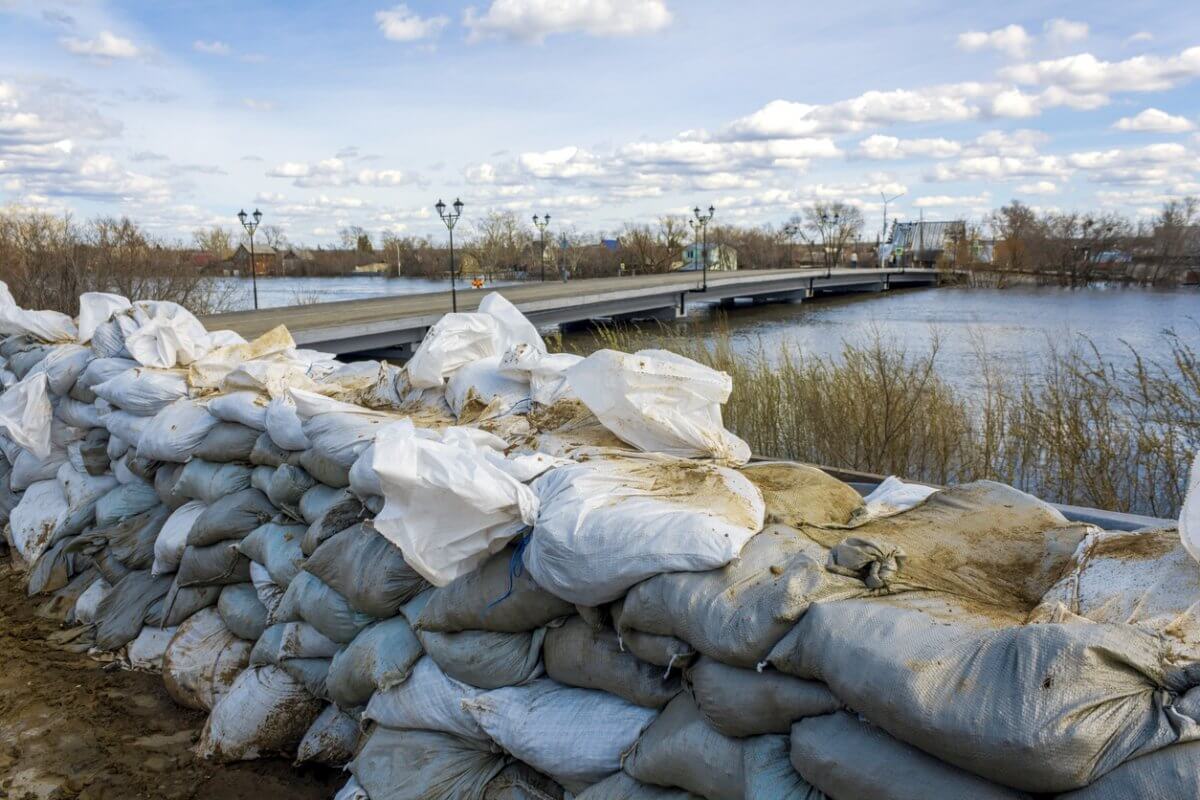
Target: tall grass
(1075, 429)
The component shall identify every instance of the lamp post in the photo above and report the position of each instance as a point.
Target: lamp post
(825, 220)
(790, 230)
(251, 227)
(451, 217)
(700, 227)
(541, 223)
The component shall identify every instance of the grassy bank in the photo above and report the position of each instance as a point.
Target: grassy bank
(1073, 428)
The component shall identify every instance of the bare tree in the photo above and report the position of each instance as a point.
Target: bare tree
(216, 241)
(833, 226)
(273, 236)
(500, 243)
(1175, 238)
(1016, 228)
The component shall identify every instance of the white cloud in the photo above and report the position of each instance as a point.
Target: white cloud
(1064, 31)
(1038, 187)
(1012, 40)
(889, 147)
(255, 104)
(335, 172)
(943, 201)
(1139, 37)
(1151, 154)
(213, 48)
(534, 20)
(401, 24)
(565, 162)
(1152, 120)
(1086, 74)
(1000, 168)
(107, 45)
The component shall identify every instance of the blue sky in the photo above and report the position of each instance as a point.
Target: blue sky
(598, 111)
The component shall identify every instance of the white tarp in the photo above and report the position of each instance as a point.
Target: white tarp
(25, 414)
(169, 336)
(893, 496)
(452, 498)
(546, 373)
(49, 326)
(97, 308)
(658, 401)
(210, 370)
(1189, 515)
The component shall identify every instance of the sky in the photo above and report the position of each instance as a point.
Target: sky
(323, 115)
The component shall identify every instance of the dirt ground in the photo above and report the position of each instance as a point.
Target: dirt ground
(69, 728)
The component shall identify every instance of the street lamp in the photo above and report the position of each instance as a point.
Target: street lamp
(451, 217)
(700, 228)
(790, 230)
(541, 224)
(825, 220)
(251, 227)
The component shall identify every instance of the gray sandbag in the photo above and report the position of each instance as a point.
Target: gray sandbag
(845, 756)
(108, 566)
(276, 547)
(174, 433)
(429, 700)
(164, 485)
(335, 517)
(125, 500)
(202, 660)
(498, 596)
(62, 366)
(486, 659)
(1042, 708)
(122, 612)
(231, 517)
(247, 408)
(268, 454)
(266, 649)
(181, 602)
(366, 569)
(680, 749)
(287, 485)
(522, 782)
(78, 415)
(53, 569)
(737, 613)
(126, 426)
(799, 494)
(661, 651)
(97, 371)
(130, 541)
(420, 765)
(265, 711)
(301, 640)
(340, 436)
(318, 499)
(215, 565)
(325, 470)
(1167, 774)
(243, 612)
(225, 442)
(769, 773)
(381, 656)
(260, 478)
(330, 740)
(269, 593)
(63, 604)
(309, 600)
(746, 702)
(94, 452)
(575, 654)
(310, 672)
(623, 787)
(23, 362)
(209, 482)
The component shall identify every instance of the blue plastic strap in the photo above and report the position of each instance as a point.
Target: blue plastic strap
(516, 566)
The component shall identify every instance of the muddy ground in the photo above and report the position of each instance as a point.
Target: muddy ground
(71, 729)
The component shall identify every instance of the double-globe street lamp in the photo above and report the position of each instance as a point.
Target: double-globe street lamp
(700, 228)
(451, 217)
(541, 223)
(251, 227)
(825, 221)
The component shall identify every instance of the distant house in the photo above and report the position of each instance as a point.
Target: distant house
(296, 258)
(720, 258)
(921, 244)
(266, 260)
(611, 245)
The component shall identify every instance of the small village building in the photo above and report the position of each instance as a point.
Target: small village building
(720, 258)
(921, 244)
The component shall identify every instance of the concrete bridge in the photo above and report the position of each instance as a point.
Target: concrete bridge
(390, 327)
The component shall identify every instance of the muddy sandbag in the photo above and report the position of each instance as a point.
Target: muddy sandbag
(172, 537)
(845, 756)
(1042, 708)
(231, 517)
(737, 613)
(330, 740)
(121, 613)
(164, 484)
(575, 654)
(380, 657)
(93, 451)
(746, 702)
(242, 611)
(225, 442)
(797, 494)
(287, 485)
(269, 593)
(421, 765)
(319, 499)
(309, 600)
(125, 500)
(521, 782)
(265, 711)
(1165, 774)
(203, 660)
(266, 649)
(276, 547)
(142, 391)
(246, 408)
(215, 565)
(486, 659)
(301, 640)
(312, 674)
(209, 482)
(366, 569)
(623, 787)
(680, 749)
(429, 700)
(89, 602)
(498, 596)
(175, 433)
(344, 510)
(53, 569)
(130, 541)
(325, 470)
(341, 437)
(146, 651)
(181, 603)
(267, 453)
(62, 604)
(576, 736)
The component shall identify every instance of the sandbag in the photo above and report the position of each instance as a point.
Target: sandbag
(63, 365)
(287, 485)
(744, 702)
(301, 640)
(284, 425)
(267, 453)
(798, 494)
(215, 565)
(89, 602)
(499, 596)
(893, 496)
(481, 390)
(141, 391)
(37, 518)
(122, 611)
(181, 602)
(575, 654)
(130, 541)
(276, 547)
(265, 711)
(165, 480)
(231, 517)
(330, 740)
(175, 433)
(486, 659)
(99, 370)
(421, 765)
(126, 500)
(623, 787)
(146, 651)
(319, 499)
(308, 599)
(679, 749)
(608, 524)
(324, 469)
(380, 657)
(576, 736)
(225, 442)
(521, 782)
(366, 569)
(1165, 774)
(124, 425)
(209, 482)
(243, 613)
(77, 414)
(341, 437)
(343, 511)
(429, 700)
(172, 537)
(270, 594)
(245, 408)
(847, 757)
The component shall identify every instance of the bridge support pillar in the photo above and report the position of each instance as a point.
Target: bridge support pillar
(664, 314)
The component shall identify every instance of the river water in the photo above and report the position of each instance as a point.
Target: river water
(1019, 324)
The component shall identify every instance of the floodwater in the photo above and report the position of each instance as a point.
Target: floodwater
(1018, 324)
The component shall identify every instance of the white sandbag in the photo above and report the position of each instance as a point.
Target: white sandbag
(172, 539)
(147, 650)
(175, 432)
(123, 425)
(660, 402)
(171, 336)
(610, 523)
(576, 736)
(364, 481)
(96, 308)
(100, 370)
(429, 700)
(30, 467)
(203, 660)
(284, 425)
(893, 496)
(1189, 515)
(37, 518)
(77, 414)
(62, 367)
(248, 408)
(265, 711)
(227, 351)
(89, 601)
(546, 374)
(48, 326)
(451, 497)
(331, 739)
(25, 413)
(143, 391)
(481, 390)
